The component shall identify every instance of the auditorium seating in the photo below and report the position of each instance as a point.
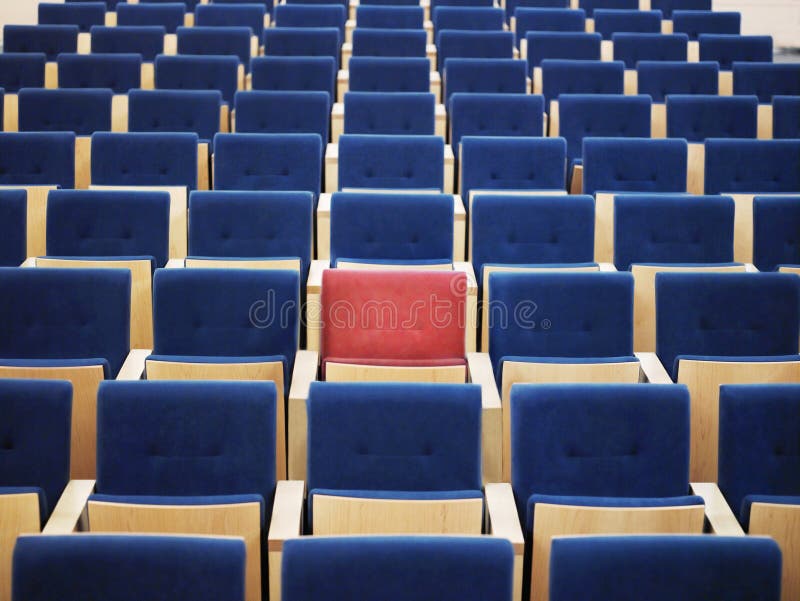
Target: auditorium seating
(389, 42)
(224, 41)
(190, 72)
(295, 73)
(539, 19)
(727, 49)
(633, 48)
(282, 112)
(610, 21)
(387, 74)
(117, 72)
(13, 227)
(401, 113)
(303, 41)
(775, 221)
(390, 17)
(253, 15)
(579, 77)
(473, 44)
(51, 40)
(538, 46)
(695, 23)
(195, 111)
(785, 117)
(83, 14)
(467, 18)
(482, 75)
(169, 15)
(149, 42)
(766, 81)
(319, 15)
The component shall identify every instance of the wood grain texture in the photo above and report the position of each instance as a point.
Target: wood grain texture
(503, 522)
(286, 523)
(782, 523)
(10, 113)
(305, 371)
(19, 514)
(69, 514)
(36, 216)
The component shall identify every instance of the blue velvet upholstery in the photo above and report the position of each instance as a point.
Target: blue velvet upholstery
(117, 72)
(168, 15)
(494, 115)
(409, 113)
(278, 112)
(631, 48)
(391, 227)
(659, 79)
(608, 22)
(223, 41)
(580, 326)
(591, 5)
(80, 111)
(548, 19)
(436, 3)
(190, 4)
(104, 223)
(65, 314)
(21, 70)
(725, 315)
(268, 162)
(752, 166)
(581, 77)
(512, 164)
(634, 165)
(13, 227)
(52, 40)
(37, 158)
(194, 111)
(110, 4)
(697, 117)
(695, 22)
(473, 44)
(240, 15)
(147, 41)
(663, 568)
(489, 76)
(608, 115)
(36, 431)
(785, 117)
(251, 224)
(766, 80)
(315, 1)
(226, 314)
(303, 41)
(199, 73)
(468, 18)
(386, 2)
(295, 73)
(126, 568)
(727, 49)
(668, 6)
(389, 42)
(672, 229)
(565, 45)
(390, 17)
(389, 74)
(398, 162)
(759, 452)
(84, 14)
(144, 159)
(776, 221)
(443, 568)
(319, 15)
(531, 230)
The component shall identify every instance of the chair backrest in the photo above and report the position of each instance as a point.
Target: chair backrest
(667, 7)
(65, 314)
(473, 44)
(444, 568)
(13, 225)
(590, 5)
(186, 438)
(220, 15)
(102, 223)
(389, 42)
(51, 40)
(484, 75)
(634, 165)
(80, 111)
(303, 41)
(186, 72)
(659, 79)
(610, 21)
(608, 115)
(390, 17)
(468, 18)
(283, 112)
(565, 45)
(512, 164)
(144, 159)
(567, 440)
(785, 117)
(752, 166)
(631, 48)
(146, 41)
(766, 80)
(665, 567)
(581, 77)
(21, 70)
(727, 49)
(150, 567)
(388, 317)
(401, 162)
(725, 315)
(295, 73)
(225, 41)
(190, 4)
(195, 111)
(110, 4)
(251, 224)
(268, 162)
(511, 9)
(579, 325)
(83, 14)
(697, 117)
(307, 15)
(776, 220)
(371, 436)
(548, 19)
(672, 229)
(389, 74)
(169, 15)
(495, 115)
(405, 113)
(38, 158)
(392, 228)
(436, 3)
(694, 23)
(37, 418)
(525, 230)
(117, 72)
(321, 1)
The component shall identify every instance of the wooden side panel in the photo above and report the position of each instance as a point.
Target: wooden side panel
(696, 163)
(658, 119)
(345, 372)
(119, 110)
(10, 113)
(290, 264)
(19, 514)
(764, 121)
(781, 522)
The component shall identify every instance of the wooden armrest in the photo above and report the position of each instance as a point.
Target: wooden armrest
(287, 513)
(338, 109)
(480, 372)
(174, 264)
(314, 284)
(466, 267)
(68, 515)
(750, 268)
(133, 368)
(503, 518)
(652, 368)
(607, 267)
(29, 262)
(305, 372)
(719, 514)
